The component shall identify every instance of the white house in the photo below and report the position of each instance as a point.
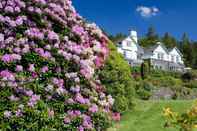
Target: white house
(175, 56)
(158, 51)
(131, 50)
(163, 58)
(160, 57)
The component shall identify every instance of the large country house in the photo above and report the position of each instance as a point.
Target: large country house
(159, 56)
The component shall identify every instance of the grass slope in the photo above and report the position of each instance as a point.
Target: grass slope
(148, 116)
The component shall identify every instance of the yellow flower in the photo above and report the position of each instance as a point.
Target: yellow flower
(195, 126)
(167, 112)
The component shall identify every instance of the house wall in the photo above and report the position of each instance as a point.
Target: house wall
(130, 49)
(146, 56)
(160, 50)
(174, 53)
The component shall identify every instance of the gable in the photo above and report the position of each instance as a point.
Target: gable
(160, 49)
(176, 52)
(128, 44)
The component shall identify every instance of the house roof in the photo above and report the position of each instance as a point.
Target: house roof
(152, 48)
(140, 49)
(169, 50)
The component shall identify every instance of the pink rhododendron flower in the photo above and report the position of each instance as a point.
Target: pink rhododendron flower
(1, 37)
(78, 30)
(7, 76)
(50, 113)
(7, 114)
(116, 116)
(19, 113)
(93, 108)
(44, 69)
(19, 68)
(7, 58)
(67, 120)
(31, 68)
(13, 98)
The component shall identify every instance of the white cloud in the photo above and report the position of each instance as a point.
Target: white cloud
(147, 11)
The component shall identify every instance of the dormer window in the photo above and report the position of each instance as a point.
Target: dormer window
(128, 43)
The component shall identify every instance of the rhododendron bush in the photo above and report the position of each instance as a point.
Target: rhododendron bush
(48, 59)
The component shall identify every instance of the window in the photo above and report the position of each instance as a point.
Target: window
(177, 59)
(128, 43)
(172, 58)
(160, 56)
(124, 53)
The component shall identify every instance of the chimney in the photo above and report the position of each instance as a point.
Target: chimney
(133, 35)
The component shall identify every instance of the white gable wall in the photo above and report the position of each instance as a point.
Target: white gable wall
(129, 44)
(175, 57)
(160, 50)
(129, 48)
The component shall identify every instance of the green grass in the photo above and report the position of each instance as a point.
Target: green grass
(148, 116)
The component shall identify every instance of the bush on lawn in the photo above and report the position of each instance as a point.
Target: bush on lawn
(116, 76)
(144, 90)
(48, 59)
(192, 84)
(183, 121)
(145, 70)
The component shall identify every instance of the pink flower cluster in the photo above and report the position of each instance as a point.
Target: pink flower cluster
(7, 58)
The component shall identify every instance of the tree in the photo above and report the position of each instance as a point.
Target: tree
(145, 69)
(117, 38)
(151, 34)
(116, 77)
(185, 46)
(194, 55)
(169, 41)
(150, 39)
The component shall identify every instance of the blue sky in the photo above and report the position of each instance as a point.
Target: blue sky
(173, 16)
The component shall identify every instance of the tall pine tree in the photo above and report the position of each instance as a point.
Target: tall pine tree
(169, 41)
(150, 39)
(185, 46)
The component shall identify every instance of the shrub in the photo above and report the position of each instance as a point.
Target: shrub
(184, 121)
(188, 76)
(136, 73)
(144, 90)
(48, 59)
(116, 76)
(191, 84)
(145, 70)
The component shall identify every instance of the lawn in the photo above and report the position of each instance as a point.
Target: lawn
(147, 116)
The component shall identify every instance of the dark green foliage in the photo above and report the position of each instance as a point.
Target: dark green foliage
(101, 120)
(150, 39)
(143, 90)
(187, 76)
(169, 41)
(191, 84)
(117, 38)
(145, 70)
(116, 76)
